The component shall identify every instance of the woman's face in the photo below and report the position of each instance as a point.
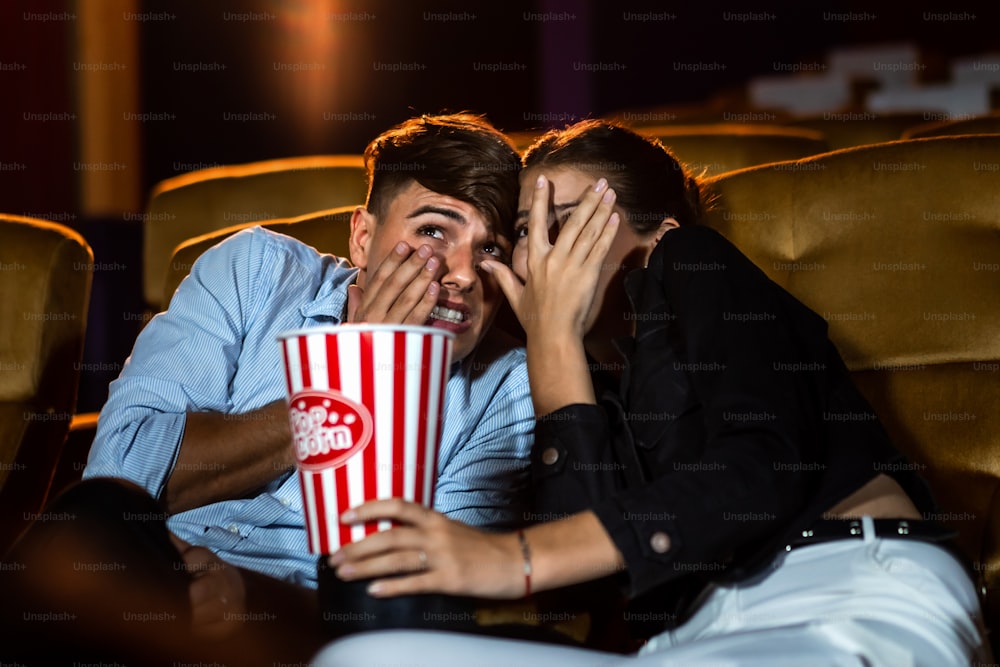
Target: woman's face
(607, 316)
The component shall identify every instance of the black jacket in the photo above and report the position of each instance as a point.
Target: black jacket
(734, 426)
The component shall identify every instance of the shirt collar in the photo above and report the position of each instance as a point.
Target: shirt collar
(331, 298)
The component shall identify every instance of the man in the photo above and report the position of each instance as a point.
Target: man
(198, 420)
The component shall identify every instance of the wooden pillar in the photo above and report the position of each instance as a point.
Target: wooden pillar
(106, 74)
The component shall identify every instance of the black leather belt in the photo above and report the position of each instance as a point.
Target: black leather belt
(827, 530)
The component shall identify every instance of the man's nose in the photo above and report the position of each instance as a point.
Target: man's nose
(459, 269)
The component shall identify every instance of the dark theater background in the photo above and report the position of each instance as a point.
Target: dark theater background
(895, 244)
(104, 99)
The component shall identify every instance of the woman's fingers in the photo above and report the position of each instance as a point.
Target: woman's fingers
(538, 221)
(393, 563)
(581, 230)
(606, 236)
(389, 508)
(589, 221)
(431, 553)
(408, 536)
(509, 283)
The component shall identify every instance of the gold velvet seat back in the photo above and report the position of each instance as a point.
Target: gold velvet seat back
(897, 246)
(45, 278)
(720, 147)
(986, 124)
(328, 231)
(858, 128)
(210, 199)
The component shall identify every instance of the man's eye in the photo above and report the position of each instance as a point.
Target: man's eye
(432, 231)
(521, 231)
(495, 250)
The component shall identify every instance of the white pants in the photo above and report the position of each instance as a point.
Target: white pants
(866, 603)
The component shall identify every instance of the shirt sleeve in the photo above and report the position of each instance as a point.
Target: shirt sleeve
(485, 482)
(183, 360)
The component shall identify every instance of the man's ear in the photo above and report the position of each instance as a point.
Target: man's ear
(362, 232)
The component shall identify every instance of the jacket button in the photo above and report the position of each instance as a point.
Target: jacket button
(660, 542)
(550, 456)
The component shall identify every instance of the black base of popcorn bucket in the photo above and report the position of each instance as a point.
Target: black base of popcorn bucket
(347, 608)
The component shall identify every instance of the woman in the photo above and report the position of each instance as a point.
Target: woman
(701, 436)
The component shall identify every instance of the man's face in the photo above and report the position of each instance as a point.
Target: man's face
(459, 236)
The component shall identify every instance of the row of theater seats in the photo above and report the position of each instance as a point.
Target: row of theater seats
(842, 129)
(896, 244)
(211, 199)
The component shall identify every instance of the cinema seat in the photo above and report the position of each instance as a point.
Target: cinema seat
(897, 246)
(327, 231)
(45, 277)
(206, 200)
(988, 124)
(721, 147)
(846, 129)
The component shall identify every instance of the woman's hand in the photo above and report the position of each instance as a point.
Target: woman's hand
(429, 553)
(561, 277)
(554, 303)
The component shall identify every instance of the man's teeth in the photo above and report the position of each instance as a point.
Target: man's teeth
(447, 314)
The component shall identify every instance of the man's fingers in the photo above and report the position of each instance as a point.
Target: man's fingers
(198, 560)
(414, 303)
(355, 295)
(399, 255)
(178, 543)
(400, 291)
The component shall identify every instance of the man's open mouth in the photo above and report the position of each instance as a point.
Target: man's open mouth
(448, 314)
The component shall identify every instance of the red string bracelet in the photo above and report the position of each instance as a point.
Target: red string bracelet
(526, 554)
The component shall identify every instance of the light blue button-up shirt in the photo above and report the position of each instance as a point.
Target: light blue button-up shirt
(216, 349)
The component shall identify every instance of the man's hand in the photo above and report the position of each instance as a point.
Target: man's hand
(402, 290)
(217, 592)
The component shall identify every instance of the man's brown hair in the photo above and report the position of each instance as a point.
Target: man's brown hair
(460, 155)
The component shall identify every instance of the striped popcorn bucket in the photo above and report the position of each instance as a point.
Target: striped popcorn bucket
(365, 405)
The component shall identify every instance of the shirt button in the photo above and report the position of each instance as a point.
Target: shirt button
(233, 528)
(550, 456)
(660, 542)
(286, 502)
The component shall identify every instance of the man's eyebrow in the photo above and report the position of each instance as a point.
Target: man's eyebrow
(439, 210)
(559, 208)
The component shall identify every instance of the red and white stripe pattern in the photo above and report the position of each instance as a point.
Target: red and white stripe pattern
(365, 407)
